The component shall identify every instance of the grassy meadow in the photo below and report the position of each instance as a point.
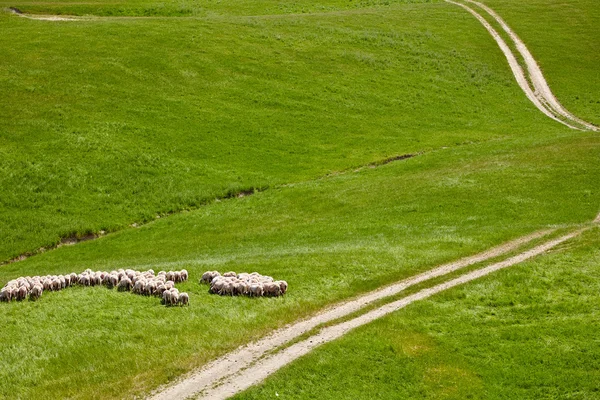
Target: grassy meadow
(99, 132)
(528, 332)
(107, 122)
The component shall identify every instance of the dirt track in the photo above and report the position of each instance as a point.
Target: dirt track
(540, 95)
(542, 90)
(268, 365)
(230, 364)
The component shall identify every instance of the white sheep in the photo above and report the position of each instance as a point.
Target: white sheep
(174, 298)
(283, 285)
(256, 289)
(184, 299)
(21, 293)
(36, 292)
(124, 285)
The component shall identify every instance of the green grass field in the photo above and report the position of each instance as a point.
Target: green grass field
(107, 122)
(529, 332)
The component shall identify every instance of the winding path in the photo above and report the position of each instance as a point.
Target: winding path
(540, 94)
(219, 375)
(272, 363)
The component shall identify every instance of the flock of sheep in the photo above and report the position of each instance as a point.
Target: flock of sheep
(244, 284)
(146, 283)
(138, 282)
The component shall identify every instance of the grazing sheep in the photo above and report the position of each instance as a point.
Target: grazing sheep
(160, 289)
(256, 290)
(55, 285)
(184, 299)
(176, 277)
(138, 287)
(113, 281)
(21, 293)
(174, 298)
(36, 292)
(216, 286)
(5, 295)
(207, 277)
(283, 285)
(271, 289)
(166, 297)
(124, 285)
(150, 288)
(125, 280)
(230, 274)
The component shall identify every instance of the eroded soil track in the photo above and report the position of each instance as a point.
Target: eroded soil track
(533, 84)
(250, 364)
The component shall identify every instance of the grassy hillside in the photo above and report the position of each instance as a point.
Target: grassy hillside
(563, 37)
(330, 239)
(202, 8)
(107, 123)
(529, 332)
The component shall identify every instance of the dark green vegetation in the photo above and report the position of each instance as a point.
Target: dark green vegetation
(112, 121)
(529, 332)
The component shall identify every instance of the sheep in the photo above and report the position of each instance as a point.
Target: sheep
(21, 293)
(166, 297)
(55, 285)
(84, 280)
(256, 289)
(150, 288)
(113, 281)
(124, 285)
(36, 292)
(216, 285)
(230, 274)
(176, 277)
(160, 289)
(271, 289)
(283, 285)
(125, 280)
(227, 289)
(207, 277)
(5, 295)
(184, 299)
(174, 298)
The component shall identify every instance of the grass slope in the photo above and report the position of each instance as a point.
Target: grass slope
(529, 332)
(563, 37)
(330, 239)
(202, 8)
(112, 121)
(109, 122)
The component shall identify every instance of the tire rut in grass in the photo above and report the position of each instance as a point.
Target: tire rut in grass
(268, 365)
(533, 84)
(232, 363)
